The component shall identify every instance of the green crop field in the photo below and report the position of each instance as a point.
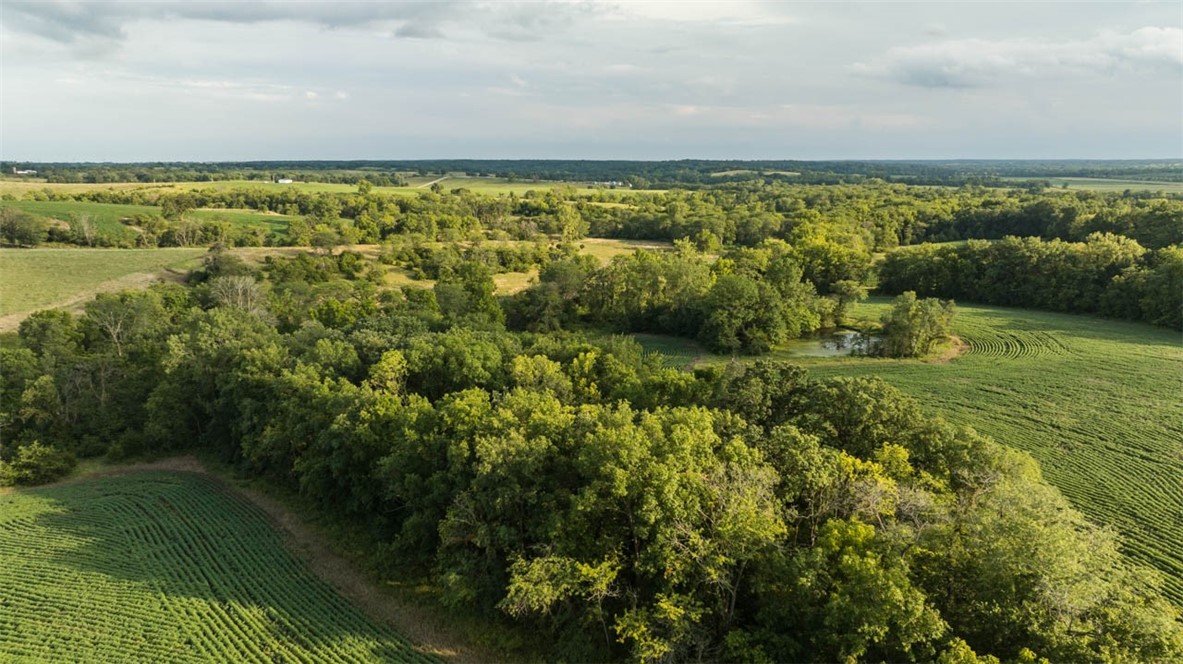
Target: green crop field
(34, 278)
(1099, 403)
(166, 567)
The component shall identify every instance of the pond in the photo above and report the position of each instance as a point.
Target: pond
(832, 343)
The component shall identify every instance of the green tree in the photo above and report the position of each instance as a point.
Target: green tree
(912, 327)
(20, 228)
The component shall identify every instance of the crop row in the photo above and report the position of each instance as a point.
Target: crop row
(1096, 402)
(166, 567)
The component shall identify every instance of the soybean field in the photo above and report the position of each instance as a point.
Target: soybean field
(166, 566)
(1099, 403)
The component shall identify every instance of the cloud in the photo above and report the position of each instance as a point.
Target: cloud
(968, 63)
(75, 22)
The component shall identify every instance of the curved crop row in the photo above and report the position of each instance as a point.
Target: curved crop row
(166, 567)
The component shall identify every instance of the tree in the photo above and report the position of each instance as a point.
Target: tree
(742, 314)
(240, 291)
(35, 463)
(19, 228)
(912, 326)
(121, 317)
(84, 228)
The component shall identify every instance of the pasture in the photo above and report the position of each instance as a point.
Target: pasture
(1107, 184)
(1097, 402)
(416, 185)
(166, 566)
(33, 279)
(107, 216)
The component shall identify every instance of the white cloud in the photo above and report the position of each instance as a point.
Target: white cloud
(976, 62)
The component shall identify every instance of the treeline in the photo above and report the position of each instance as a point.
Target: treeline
(1154, 224)
(603, 504)
(432, 261)
(1107, 275)
(150, 173)
(873, 216)
(680, 172)
(747, 301)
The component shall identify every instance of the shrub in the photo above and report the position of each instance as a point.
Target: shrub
(35, 464)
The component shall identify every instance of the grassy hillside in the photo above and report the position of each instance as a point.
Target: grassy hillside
(1097, 402)
(166, 566)
(107, 216)
(34, 278)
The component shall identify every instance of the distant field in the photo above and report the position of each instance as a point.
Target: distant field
(167, 567)
(18, 187)
(1097, 402)
(1105, 184)
(417, 185)
(107, 216)
(31, 279)
(719, 174)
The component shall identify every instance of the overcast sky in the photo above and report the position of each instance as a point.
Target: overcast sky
(126, 81)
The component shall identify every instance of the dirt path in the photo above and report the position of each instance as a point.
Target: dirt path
(956, 350)
(427, 631)
(136, 280)
(428, 184)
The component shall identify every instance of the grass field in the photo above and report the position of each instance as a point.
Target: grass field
(35, 278)
(415, 186)
(1097, 402)
(166, 566)
(1105, 184)
(107, 216)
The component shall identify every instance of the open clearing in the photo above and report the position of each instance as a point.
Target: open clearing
(1097, 402)
(1106, 184)
(481, 185)
(167, 566)
(32, 279)
(107, 216)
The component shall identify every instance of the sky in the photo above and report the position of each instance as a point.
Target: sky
(226, 81)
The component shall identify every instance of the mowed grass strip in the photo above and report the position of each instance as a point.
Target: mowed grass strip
(31, 279)
(167, 566)
(1096, 401)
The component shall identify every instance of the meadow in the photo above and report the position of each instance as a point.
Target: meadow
(210, 580)
(1095, 401)
(415, 186)
(1107, 184)
(31, 279)
(107, 216)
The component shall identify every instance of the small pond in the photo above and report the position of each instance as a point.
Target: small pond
(832, 343)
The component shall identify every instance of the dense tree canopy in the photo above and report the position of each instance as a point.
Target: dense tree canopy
(615, 507)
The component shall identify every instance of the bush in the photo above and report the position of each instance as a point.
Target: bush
(35, 464)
